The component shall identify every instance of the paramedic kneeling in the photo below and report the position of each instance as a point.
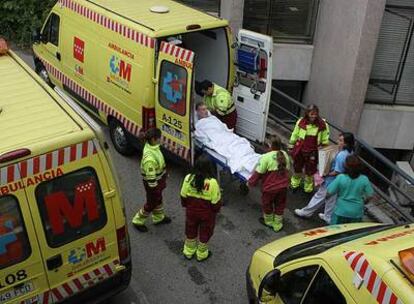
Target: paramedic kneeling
(219, 102)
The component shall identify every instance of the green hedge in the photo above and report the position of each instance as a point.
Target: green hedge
(19, 18)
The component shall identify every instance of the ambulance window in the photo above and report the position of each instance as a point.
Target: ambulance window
(323, 290)
(173, 87)
(14, 243)
(71, 206)
(51, 29)
(295, 283)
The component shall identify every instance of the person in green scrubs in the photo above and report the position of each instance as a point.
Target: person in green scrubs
(353, 190)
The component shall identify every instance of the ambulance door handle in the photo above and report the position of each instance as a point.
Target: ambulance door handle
(110, 194)
(54, 262)
(58, 56)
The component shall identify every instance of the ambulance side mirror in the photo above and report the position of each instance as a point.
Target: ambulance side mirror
(269, 286)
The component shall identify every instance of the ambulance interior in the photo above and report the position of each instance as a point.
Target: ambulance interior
(212, 55)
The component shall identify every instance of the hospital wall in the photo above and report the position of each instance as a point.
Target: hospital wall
(337, 67)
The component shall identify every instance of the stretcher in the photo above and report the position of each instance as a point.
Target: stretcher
(221, 166)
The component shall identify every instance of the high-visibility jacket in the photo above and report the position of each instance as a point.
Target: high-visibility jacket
(268, 170)
(220, 102)
(208, 198)
(153, 166)
(311, 134)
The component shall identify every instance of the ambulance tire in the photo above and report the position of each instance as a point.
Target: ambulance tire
(119, 138)
(42, 72)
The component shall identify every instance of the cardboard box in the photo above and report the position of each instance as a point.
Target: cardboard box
(326, 155)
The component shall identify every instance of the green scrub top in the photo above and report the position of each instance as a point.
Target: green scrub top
(351, 194)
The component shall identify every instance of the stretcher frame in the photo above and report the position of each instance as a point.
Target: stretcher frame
(221, 166)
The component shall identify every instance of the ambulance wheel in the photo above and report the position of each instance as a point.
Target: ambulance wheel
(42, 72)
(244, 190)
(119, 138)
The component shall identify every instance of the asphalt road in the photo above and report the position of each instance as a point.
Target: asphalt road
(160, 272)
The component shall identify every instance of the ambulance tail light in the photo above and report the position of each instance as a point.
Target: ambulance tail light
(123, 244)
(407, 261)
(16, 154)
(148, 118)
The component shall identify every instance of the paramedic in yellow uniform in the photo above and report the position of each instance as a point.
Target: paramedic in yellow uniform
(219, 102)
(153, 170)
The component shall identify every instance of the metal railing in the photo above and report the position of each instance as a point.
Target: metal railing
(385, 187)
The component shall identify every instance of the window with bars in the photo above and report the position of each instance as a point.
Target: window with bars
(211, 6)
(288, 21)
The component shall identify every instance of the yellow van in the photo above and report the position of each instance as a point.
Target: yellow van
(362, 263)
(134, 65)
(63, 233)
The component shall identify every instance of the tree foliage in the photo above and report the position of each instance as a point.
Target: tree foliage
(19, 18)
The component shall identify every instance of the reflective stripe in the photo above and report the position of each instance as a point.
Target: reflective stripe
(228, 111)
(382, 293)
(44, 162)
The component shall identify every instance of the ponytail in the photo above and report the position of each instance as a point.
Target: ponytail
(202, 170)
(281, 161)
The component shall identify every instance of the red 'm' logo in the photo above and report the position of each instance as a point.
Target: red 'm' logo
(78, 49)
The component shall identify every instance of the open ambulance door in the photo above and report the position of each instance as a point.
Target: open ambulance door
(253, 86)
(173, 99)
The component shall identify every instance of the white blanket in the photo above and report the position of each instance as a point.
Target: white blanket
(238, 152)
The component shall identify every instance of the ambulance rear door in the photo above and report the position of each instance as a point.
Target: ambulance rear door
(71, 204)
(22, 274)
(253, 86)
(173, 99)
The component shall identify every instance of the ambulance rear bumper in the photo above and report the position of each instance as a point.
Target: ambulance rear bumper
(104, 290)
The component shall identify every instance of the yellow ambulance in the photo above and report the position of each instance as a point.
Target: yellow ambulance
(63, 233)
(354, 264)
(134, 65)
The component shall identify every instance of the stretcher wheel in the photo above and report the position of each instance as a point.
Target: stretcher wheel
(244, 190)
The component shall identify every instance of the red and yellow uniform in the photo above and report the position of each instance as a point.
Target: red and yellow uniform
(153, 171)
(221, 104)
(305, 139)
(201, 209)
(275, 182)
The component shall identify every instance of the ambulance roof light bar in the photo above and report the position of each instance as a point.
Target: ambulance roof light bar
(12, 155)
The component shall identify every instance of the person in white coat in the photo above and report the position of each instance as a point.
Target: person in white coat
(346, 144)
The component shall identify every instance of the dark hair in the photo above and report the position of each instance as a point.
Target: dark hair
(311, 108)
(276, 145)
(202, 169)
(153, 133)
(203, 86)
(199, 104)
(349, 141)
(353, 166)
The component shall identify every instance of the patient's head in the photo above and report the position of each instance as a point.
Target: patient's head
(202, 111)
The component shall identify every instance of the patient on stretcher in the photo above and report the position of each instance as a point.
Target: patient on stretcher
(210, 132)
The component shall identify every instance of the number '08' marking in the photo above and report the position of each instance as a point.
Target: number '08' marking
(12, 278)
